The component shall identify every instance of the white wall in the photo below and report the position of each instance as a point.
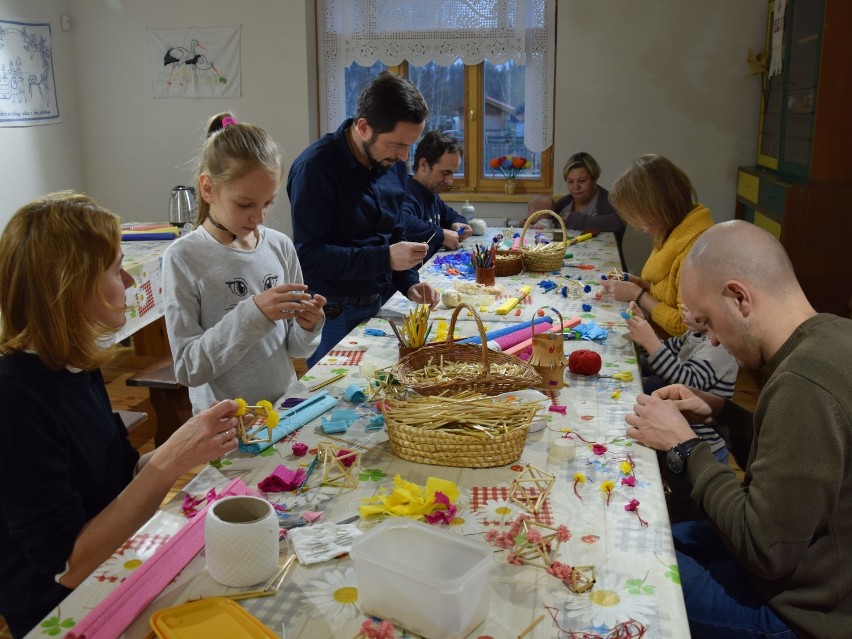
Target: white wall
(40, 159)
(135, 147)
(633, 77)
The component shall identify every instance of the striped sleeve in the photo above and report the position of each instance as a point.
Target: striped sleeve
(695, 362)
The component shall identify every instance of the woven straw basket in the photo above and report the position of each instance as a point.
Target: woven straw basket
(485, 382)
(508, 263)
(545, 257)
(437, 447)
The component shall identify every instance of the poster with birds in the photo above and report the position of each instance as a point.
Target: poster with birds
(192, 62)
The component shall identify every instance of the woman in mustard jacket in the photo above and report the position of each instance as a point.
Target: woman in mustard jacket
(657, 198)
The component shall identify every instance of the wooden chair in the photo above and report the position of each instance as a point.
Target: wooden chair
(169, 398)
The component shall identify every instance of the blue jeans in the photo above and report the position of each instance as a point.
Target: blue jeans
(334, 331)
(720, 601)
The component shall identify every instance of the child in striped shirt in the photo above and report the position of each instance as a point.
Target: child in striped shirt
(689, 359)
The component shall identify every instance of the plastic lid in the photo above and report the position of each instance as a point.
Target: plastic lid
(205, 618)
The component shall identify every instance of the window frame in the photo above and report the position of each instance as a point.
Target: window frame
(476, 181)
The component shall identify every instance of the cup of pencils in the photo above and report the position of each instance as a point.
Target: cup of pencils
(415, 330)
(483, 261)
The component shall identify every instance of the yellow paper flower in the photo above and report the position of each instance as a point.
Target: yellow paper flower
(607, 486)
(626, 467)
(409, 499)
(579, 477)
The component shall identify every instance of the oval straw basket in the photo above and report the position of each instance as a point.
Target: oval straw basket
(463, 443)
(544, 257)
(508, 263)
(451, 368)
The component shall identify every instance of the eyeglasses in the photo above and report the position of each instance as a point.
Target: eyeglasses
(333, 310)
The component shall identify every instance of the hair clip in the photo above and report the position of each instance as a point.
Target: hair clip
(228, 120)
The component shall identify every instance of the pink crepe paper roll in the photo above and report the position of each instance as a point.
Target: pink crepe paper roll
(516, 337)
(520, 346)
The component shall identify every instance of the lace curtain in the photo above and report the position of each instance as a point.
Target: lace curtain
(420, 31)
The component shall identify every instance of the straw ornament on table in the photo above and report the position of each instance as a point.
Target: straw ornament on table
(262, 414)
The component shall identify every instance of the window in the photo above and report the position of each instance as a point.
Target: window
(480, 93)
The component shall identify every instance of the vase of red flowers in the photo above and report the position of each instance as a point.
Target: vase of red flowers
(510, 166)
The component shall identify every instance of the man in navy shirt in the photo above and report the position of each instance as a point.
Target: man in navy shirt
(346, 191)
(427, 218)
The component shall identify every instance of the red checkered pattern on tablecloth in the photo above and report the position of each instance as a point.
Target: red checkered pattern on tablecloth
(149, 298)
(351, 358)
(480, 495)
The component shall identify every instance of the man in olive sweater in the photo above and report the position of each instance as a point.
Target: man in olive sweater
(774, 557)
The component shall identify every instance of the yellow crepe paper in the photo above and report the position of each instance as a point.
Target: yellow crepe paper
(409, 499)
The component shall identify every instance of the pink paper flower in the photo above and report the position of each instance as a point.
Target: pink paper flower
(562, 533)
(282, 480)
(377, 630)
(633, 506)
(300, 449)
(346, 457)
(444, 512)
(599, 449)
(533, 536)
(515, 559)
(629, 481)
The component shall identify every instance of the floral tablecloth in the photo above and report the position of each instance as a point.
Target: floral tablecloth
(609, 497)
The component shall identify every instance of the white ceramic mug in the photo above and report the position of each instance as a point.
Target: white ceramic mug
(241, 541)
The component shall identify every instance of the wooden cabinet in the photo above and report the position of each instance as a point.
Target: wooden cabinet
(801, 186)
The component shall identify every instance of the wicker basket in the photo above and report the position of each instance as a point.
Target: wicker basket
(508, 263)
(484, 382)
(545, 257)
(442, 448)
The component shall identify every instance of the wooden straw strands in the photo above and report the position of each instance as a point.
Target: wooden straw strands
(447, 370)
(416, 327)
(468, 413)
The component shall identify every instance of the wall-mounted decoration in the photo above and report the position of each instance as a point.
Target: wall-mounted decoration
(27, 85)
(195, 62)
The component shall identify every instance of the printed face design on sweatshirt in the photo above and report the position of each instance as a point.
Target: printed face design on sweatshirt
(239, 287)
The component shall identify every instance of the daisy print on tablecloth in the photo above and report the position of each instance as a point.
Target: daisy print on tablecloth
(498, 511)
(613, 600)
(335, 594)
(119, 567)
(466, 523)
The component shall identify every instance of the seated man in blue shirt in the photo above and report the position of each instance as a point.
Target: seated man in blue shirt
(346, 191)
(427, 218)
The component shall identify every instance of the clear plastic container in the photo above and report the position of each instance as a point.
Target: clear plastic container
(432, 582)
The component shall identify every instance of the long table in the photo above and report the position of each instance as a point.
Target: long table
(628, 542)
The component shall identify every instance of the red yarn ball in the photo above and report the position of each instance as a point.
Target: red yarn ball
(584, 362)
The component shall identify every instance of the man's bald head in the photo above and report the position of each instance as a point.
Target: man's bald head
(739, 250)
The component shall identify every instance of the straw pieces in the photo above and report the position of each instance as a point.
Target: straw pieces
(450, 368)
(415, 327)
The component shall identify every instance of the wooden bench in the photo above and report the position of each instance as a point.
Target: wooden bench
(169, 399)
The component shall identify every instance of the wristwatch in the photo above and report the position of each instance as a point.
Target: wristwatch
(677, 455)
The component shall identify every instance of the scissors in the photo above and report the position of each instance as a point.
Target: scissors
(625, 376)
